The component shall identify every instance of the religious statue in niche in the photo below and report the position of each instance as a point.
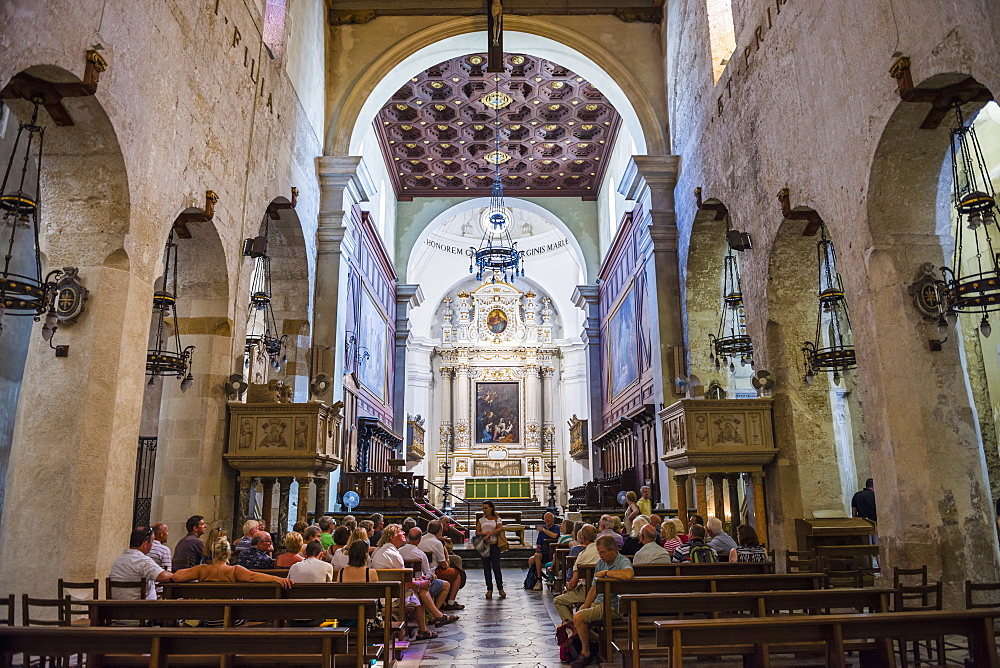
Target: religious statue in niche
(496, 321)
(498, 412)
(301, 434)
(246, 434)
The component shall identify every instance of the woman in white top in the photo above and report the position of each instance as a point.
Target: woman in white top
(489, 527)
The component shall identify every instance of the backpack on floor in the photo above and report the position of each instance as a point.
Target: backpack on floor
(569, 643)
(703, 554)
(530, 579)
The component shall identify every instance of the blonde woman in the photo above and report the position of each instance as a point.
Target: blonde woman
(671, 534)
(631, 509)
(220, 570)
(213, 535)
(293, 545)
(339, 559)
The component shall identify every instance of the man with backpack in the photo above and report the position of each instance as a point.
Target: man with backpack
(695, 550)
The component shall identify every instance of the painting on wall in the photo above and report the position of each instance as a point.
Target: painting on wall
(373, 332)
(623, 353)
(498, 413)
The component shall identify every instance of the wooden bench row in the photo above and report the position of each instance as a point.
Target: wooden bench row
(159, 647)
(831, 635)
(640, 611)
(699, 584)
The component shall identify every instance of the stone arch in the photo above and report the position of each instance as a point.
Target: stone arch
(292, 291)
(587, 264)
(191, 476)
(818, 426)
(350, 120)
(701, 283)
(909, 218)
(85, 221)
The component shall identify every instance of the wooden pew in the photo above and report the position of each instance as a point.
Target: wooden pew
(559, 556)
(221, 590)
(390, 591)
(724, 568)
(689, 569)
(695, 584)
(155, 646)
(829, 633)
(753, 604)
(102, 613)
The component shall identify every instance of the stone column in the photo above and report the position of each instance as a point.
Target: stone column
(532, 408)
(548, 424)
(462, 409)
(447, 392)
(649, 181)
(268, 501)
(284, 492)
(245, 484)
(718, 496)
(407, 297)
(682, 504)
(587, 298)
(734, 501)
(701, 494)
(343, 182)
(79, 434)
(302, 508)
(759, 510)
(322, 495)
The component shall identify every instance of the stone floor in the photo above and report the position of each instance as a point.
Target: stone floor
(515, 631)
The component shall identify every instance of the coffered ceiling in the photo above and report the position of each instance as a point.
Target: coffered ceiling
(557, 130)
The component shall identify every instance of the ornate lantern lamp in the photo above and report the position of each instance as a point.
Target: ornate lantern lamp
(732, 341)
(169, 357)
(497, 252)
(832, 350)
(23, 291)
(262, 326)
(971, 284)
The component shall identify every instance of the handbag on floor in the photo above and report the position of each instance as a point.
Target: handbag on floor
(569, 644)
(530, 579)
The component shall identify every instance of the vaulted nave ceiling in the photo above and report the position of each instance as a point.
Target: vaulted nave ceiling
(557, 130)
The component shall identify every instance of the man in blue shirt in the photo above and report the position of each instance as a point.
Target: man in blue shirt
(547, 533)
(611, 566)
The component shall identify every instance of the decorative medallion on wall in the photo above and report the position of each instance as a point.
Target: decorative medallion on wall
(496, 321)
(557, 134)
(70, 297)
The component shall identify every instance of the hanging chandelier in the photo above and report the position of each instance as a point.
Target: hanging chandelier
(23, 291)
(971, 284)
(497, 252)
(262, 326)
(169, 358)
(832, 350)
(732, 341)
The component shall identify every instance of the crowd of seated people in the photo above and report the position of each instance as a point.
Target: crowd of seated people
(324, 552)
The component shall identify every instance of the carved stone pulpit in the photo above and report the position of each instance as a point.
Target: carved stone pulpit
(281, 442)
(719, 441)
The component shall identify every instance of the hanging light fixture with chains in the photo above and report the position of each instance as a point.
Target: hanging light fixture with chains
(262, 326)
(497, 251)
(832, 350)
(169, 357)
(731, 342)
(972, 283)
(23, 291)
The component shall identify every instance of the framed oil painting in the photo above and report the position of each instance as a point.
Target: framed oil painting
(623, 350)
(373, 332)
(498, 412)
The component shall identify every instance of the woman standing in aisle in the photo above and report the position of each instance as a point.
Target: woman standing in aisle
(488, 527)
